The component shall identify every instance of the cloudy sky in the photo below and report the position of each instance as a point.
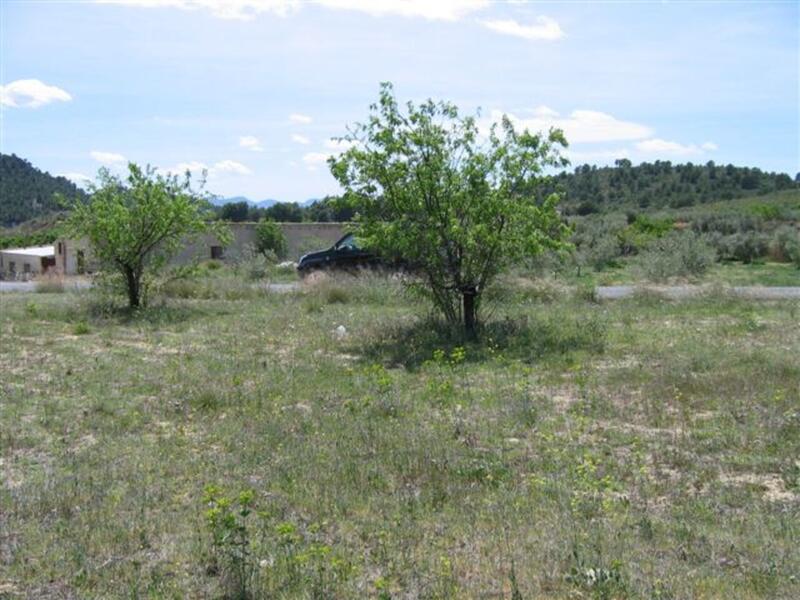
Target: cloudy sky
(253, 90)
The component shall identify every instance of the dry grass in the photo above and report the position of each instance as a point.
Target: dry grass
(393, 461)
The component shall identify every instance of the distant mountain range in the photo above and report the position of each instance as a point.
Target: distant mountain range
(219, 201)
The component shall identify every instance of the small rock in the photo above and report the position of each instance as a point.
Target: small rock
(340, 331)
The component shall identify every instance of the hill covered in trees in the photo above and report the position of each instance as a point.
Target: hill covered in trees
(590, 189)
(27, 192)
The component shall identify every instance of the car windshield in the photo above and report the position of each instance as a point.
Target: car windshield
(348, 242)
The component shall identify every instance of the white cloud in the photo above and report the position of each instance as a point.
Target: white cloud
(443, 10)
(78, 179)
(314, 159)
(544, 29)
(300, 139)
(338, 146)
(240, 10)
(544, 111)
(108, 158)
(581, 126)
(221, 167)
(577, 156)
(251, 142)
(31, 93)
(230, 166)
(246, 10)
(299, 119)
(664, 147)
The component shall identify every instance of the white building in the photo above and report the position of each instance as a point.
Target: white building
(24, 263)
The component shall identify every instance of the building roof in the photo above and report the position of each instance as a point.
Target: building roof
(32, 251)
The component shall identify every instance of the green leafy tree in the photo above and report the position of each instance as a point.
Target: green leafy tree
(270, 239)
(134, 225)
(458, 205)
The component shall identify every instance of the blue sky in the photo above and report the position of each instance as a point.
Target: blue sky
(253, 90)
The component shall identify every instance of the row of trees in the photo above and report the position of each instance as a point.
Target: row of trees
(589, 189)
(586, 190)
(329, 209)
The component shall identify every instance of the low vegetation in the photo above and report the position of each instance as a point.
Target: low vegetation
(338, 443)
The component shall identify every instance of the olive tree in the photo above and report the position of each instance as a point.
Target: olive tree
(136, 224)
(456, 201)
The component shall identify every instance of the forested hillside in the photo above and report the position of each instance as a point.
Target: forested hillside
(589, 189)
(26, 192)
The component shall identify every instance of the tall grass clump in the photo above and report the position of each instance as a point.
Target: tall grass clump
(49, 286)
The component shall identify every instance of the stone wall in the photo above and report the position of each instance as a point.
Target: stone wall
(300, 238)
(25, 265)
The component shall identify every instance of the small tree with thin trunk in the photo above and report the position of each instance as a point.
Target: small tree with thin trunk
(135, 225)
(457, 203)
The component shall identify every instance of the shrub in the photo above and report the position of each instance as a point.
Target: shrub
(270, 239)
(745, 247)
(50, 286)
(228, 523)
(785, 244)
(677, 255)
(597, 244)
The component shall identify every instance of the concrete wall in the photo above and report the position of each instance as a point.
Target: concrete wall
(67, 256)
(300, 238)
(20, 260)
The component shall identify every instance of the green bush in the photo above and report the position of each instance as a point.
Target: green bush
(745, 247)
(785, 245)
(270, 238)
(677, 255)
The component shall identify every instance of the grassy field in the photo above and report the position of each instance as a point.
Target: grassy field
(245, 445)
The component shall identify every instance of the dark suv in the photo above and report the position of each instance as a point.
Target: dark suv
(344, 254)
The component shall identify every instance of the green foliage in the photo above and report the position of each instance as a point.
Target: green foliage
(746, 246)
(235, 211)
(431, 191)
(24, 240)
(81, 328)
(651, 226)
(271, 239)
(135, 225)
(785, 245)
(597, 243)
(29, 192)
(683, 254)
(641, 232)
(228, 522)
(768, 212)
(589, 189)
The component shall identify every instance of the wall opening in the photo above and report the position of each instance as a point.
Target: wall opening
(81, 259)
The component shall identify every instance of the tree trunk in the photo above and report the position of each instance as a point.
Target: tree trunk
(469, 312)
(134, 291)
